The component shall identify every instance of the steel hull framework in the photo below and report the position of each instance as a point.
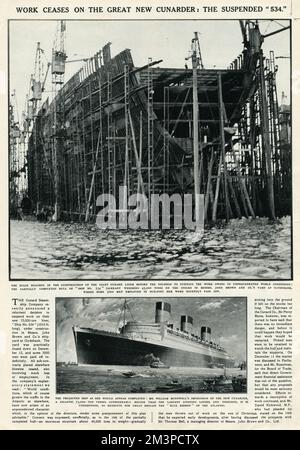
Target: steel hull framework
(113, 124)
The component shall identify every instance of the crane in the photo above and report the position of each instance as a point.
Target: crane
(196, 51)
(45, 78)
(36, 81)
(245, 26)
(59, 55)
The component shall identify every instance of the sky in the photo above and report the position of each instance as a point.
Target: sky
(225, 316)
(220, 41)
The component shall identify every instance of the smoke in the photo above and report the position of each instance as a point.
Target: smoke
(211, 305)
(92, 313)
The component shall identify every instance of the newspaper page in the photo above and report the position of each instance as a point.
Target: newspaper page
(149, 215)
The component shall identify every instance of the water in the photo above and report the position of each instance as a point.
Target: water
(110, 379)
(243, 249)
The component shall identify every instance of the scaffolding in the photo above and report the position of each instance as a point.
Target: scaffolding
(116, 124)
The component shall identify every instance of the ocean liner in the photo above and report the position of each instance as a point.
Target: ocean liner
(141, 343)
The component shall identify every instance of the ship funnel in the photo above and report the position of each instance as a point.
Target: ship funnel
(186, 324)
(162, 312)
(205, 334)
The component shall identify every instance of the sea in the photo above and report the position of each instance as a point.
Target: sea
(111, 379)
(241, 249)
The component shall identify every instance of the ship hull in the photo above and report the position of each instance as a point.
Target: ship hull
(113, 349)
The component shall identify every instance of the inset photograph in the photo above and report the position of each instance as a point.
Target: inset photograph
(151, 345)
(166, 156)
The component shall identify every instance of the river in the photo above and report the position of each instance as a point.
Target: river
(241, 249)
(110, 379)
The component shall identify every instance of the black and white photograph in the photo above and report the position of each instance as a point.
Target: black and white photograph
(151, 345)
(150, 149)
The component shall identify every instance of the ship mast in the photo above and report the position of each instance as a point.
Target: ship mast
(123, 313)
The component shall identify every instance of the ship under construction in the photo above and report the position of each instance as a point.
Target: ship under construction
(154, 129)
(142, 343)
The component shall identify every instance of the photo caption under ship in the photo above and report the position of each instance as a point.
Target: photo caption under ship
(141, 343)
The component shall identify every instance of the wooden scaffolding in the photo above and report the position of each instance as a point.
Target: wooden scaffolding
(117, 124)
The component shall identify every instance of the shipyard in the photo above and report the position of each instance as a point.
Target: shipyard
(210, 141)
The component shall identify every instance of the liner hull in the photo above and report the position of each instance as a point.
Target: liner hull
(114, 349)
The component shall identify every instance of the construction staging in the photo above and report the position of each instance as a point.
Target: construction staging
(217, 132)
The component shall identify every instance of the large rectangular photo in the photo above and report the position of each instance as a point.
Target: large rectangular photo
(148, 345)
(150, 149)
